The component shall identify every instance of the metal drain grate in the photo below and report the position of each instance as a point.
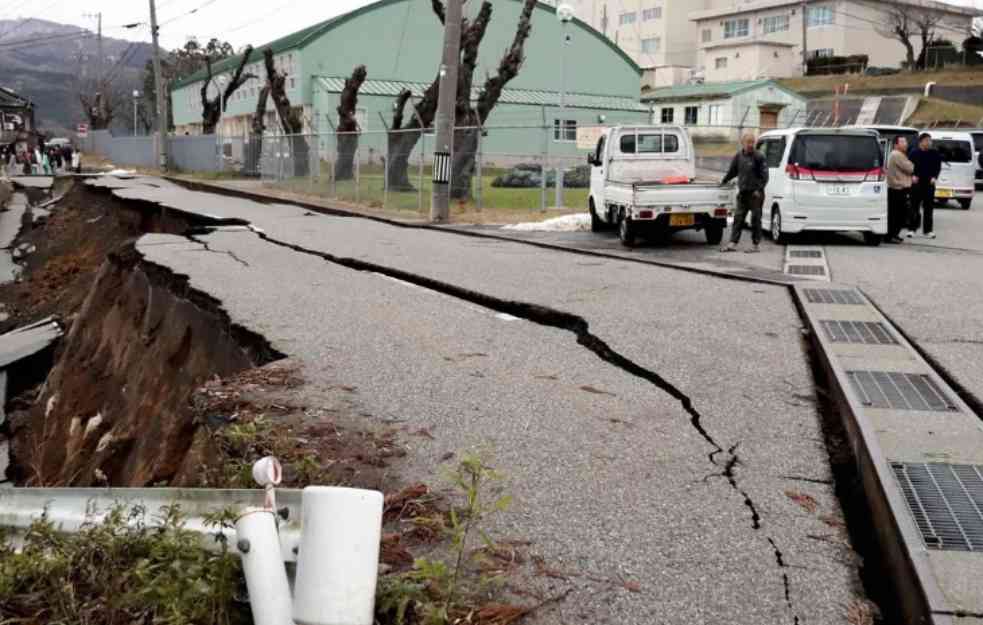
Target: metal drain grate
(830, 296)
(862, 332)
(807, 270)
(946, 501)
(805, 254)
(899, 391)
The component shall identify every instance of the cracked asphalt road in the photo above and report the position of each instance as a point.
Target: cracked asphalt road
(610, 474)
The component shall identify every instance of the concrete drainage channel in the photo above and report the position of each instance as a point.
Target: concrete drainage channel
(806, 262)
(919, 453)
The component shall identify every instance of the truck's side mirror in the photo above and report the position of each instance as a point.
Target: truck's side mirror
(591, 160)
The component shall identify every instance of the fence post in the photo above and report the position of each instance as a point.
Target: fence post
(385, 165)
(477, 157)
(419, 185)
(546, 156)
(334, 134)
(358, 174)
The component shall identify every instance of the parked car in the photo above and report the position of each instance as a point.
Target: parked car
(643, 180)
(978, 147)
(825, 179)
(959, 165)
(889, 133)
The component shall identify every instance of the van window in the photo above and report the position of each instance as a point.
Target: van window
(954, 151)
(774, 150)
(649, 144)
(978, 141)
(836, 152)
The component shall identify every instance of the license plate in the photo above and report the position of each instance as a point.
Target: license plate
(683, 219)
(944, 193)
(838, 189)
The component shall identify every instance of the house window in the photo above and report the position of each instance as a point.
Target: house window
(819, 16)
(654, 13)
(720, 62)
(293, 83)
(565, 132)
(628, 18)
(707, 35)
(692, 115)
(736, 28)
(822, 53)
(667, 115)
(651, 45)
(775, 24)
(715, 114)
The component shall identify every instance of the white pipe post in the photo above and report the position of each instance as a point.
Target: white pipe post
(338, 564)
(262, 563)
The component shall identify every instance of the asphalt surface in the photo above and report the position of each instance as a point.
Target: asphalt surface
(611, 477)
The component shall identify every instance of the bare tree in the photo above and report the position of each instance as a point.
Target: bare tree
(348, 125)
(290, 117)
(255, 150)
(403, 137)
(898, 23)
(211, 108)
(100, 109)
(926, 21)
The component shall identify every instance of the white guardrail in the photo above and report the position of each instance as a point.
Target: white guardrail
(69, 508)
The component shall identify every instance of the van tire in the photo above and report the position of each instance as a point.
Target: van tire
(966, 204)
(626, 231)
(776, 227)
(715, 231)
(872, 239)
(596, 225)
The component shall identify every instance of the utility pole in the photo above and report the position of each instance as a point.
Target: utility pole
(102, 56)
(159, 88)
(805, 37)
(440, 200)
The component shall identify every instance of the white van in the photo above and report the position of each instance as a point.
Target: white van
(958, 178)
(889, 133)
(825, 179)
(977, 135)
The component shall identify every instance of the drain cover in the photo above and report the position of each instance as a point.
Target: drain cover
(946, 501)
(899, 391)
(807, 270)
(805, 254)
(830, 296)
(862, 332)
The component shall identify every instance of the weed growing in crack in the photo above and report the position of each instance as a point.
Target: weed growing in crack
(440, 591)
(120, 569)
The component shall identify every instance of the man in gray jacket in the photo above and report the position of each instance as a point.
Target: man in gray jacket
(751, 170)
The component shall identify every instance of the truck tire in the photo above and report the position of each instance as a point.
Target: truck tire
(626, 232)
(966, 204)
(872, 239)
(776, 227)
(715, 231)
(596, 225)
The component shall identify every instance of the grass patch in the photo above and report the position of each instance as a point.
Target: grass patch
(932, 110)
(907, 80)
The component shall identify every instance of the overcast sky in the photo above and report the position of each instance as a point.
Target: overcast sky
(237, 21)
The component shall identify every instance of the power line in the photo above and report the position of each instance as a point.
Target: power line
(191, 12)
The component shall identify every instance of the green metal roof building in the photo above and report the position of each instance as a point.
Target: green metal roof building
(400, 42)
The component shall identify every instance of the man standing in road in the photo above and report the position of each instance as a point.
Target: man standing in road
(751, 170)
(899, 172)
(928, 166)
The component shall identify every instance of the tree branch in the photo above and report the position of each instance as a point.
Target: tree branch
(438, 9)
(348, 103)
(509, 66)
(238, 79)
(399, 108)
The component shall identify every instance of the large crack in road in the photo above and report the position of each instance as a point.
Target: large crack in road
(580, 327)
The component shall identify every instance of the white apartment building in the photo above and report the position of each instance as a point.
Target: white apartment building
(756, 39)
(657, 34)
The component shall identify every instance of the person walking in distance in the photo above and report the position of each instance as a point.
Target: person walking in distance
(751, 170)
(928, 166)
(899, 181)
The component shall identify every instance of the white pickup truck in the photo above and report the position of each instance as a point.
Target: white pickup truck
(643, 180)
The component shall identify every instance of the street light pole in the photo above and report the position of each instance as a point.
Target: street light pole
(440, 199)
(136, 94)
(220, 83)
(564, 13)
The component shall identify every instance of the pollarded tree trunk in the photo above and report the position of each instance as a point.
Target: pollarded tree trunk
(211, 108)
(348, 126)
(466, 141)
(291, 119)
(254, 159)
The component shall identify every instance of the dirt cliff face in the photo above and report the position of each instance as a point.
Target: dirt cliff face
(115, 408)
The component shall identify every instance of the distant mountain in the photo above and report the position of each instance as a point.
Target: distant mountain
(47, 62)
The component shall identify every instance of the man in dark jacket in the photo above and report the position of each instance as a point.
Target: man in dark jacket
(928, 166)
(751, 170)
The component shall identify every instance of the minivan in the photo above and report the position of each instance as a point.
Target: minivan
(978, 147)
(825, 179)
(958, 178)
(889, 133)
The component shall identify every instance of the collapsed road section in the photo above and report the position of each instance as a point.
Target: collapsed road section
(675, 461)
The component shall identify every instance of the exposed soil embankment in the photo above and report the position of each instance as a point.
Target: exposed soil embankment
(114, 408)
